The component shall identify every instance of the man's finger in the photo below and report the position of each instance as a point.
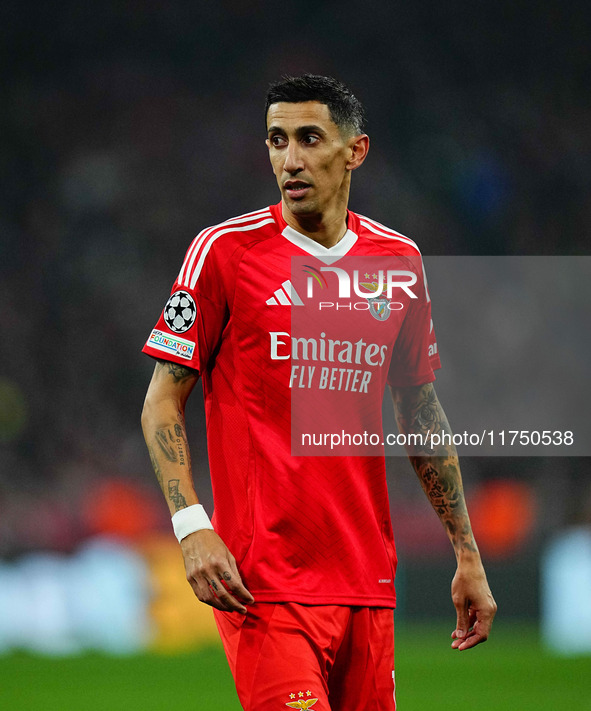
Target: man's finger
(213, 594)
(228, 601)
(233, 583)
(471, 641)
(476, 635)
(232, 576)
(462, 622)
(204, 594)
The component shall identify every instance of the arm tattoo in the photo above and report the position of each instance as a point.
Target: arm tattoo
(441, 480)
(156, 467)
(418, 412)
(165, 445)
(175, 495)
(180, 373)
(182, 444)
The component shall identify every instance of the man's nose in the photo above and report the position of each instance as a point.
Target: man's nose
(293, 159)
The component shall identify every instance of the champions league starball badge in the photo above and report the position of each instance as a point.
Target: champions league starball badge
(180, 312)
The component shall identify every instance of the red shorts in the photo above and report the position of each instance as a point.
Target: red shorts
(329, 657)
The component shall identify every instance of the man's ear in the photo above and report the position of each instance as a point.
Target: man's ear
(359, 147)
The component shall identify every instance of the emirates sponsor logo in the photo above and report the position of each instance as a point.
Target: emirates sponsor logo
(285, 346)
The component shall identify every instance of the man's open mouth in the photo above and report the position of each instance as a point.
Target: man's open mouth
(296, 188)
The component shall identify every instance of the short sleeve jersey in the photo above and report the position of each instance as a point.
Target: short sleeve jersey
(307, 529)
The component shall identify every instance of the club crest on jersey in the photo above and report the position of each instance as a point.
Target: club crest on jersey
(378, 305)
(180, 312)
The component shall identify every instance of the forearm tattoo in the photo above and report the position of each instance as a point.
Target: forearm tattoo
(418, 412)
(441, 480)
(180, 444)
(172, 445)
(175, 495)
(162, 437)
(169, 444)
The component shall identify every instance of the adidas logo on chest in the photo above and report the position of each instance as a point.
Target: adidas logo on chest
(286, 295)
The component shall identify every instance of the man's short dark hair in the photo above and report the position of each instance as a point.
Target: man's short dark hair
(345, 109)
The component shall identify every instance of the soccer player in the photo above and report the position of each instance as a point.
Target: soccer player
(299, 560)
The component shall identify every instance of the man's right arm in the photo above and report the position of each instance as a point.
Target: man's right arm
(210, 567)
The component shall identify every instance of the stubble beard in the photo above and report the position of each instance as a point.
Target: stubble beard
(303, 207)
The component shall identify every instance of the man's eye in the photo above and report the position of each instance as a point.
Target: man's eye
(277, 141)
(310, 139)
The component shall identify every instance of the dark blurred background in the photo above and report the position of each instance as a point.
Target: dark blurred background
(126, 127)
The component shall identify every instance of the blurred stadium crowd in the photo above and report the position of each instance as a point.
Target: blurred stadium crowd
(128, 126)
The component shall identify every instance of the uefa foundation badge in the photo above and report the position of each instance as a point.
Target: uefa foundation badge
(173, 345)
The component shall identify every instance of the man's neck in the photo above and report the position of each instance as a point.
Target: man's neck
(327, 230)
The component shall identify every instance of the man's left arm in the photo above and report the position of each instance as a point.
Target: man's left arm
(419, 413)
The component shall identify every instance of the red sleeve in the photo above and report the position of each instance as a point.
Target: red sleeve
(415, 354)
(191, 324)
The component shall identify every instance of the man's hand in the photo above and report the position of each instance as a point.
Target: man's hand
(212, 572)
(475, 606)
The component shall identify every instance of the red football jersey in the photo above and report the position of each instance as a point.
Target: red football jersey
(293, 342)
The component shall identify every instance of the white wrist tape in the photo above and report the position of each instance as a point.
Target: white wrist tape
(188, 520)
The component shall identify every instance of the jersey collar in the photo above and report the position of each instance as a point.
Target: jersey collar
(317, 250)
(310, 246)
